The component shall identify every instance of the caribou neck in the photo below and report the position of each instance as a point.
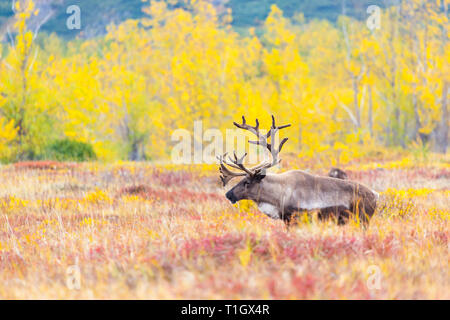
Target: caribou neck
(271, 191)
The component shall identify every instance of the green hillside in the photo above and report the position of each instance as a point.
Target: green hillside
(252, 12)
(96, 15)
(5, 10)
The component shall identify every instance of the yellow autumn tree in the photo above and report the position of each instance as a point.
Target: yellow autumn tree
(27, 103)
(345, 89)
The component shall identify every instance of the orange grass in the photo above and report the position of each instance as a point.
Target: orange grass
(137, 231)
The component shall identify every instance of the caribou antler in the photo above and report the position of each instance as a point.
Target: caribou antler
(262, 139)
(226, 174)
(237, 163)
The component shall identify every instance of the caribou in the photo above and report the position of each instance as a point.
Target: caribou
(281, 195)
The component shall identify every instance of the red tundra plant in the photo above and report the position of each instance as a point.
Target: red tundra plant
(170, 195)
(44, 165)
(170, 178)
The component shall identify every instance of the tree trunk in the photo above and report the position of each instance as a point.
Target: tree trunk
(370, 112)
(134, 152)
(356, 105)
(416, 115)
(442, 128)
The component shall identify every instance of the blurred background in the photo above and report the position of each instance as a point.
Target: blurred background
(353, 82)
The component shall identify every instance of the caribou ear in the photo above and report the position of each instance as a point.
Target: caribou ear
(259, 176)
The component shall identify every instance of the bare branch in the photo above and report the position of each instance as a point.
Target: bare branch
(38, 27)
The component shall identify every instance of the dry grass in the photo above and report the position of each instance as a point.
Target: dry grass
(137, 231)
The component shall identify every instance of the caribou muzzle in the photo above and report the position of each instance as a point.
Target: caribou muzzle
(230, 196)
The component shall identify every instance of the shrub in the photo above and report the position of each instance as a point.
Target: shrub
(70, 150)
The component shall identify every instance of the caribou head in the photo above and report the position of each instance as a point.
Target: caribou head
(250, 186)
(281, 195)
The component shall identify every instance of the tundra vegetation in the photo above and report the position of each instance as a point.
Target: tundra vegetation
(135, 230)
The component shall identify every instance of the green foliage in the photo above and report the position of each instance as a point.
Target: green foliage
(70, 150)
(420, 150)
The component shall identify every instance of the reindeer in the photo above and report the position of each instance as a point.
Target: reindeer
(281, 195)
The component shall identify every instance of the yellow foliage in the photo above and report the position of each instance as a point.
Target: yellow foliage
(245, 255)
(8, 132)
(127, 92)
